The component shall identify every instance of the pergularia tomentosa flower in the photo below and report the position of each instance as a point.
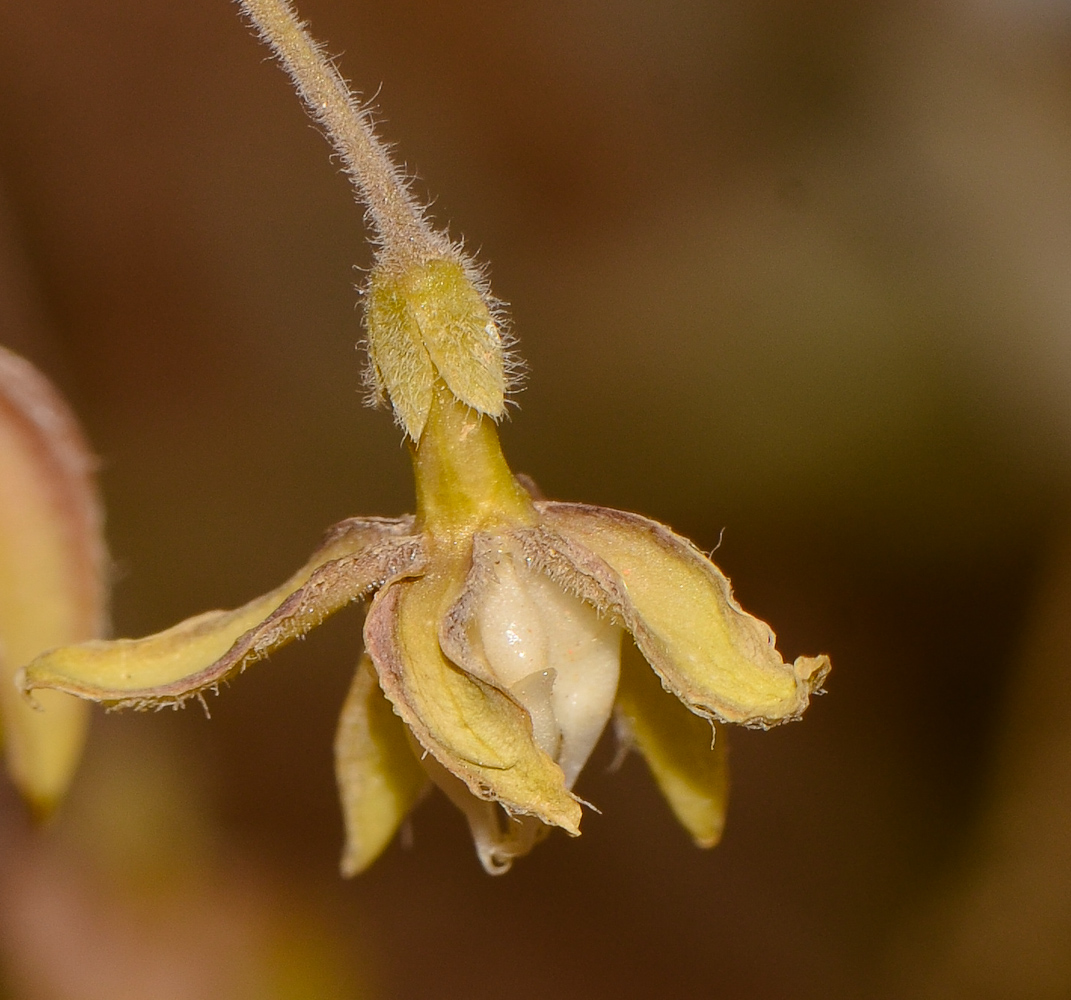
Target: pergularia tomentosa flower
(493, 642)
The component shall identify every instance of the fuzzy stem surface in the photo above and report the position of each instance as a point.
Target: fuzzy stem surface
(404, 235)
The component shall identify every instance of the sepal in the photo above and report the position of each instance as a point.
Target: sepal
(428, 320)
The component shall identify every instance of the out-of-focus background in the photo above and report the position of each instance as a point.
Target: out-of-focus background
(792, 275)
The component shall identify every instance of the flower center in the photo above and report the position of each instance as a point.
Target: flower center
(554, 654)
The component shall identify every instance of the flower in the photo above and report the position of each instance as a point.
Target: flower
(495, 632)
(496, 621)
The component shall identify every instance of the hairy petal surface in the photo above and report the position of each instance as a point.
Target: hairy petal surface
(170, 666)
(379, 779)
(52, 572)
(719, 660)
(676, 744)
(471, 726)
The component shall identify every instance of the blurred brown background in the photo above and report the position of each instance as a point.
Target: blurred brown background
(795, 270)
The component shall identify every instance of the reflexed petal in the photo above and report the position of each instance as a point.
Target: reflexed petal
(52, 572)
(473, 728)
(679, 607)
(693, 776)
(170, 666)
(379, 779)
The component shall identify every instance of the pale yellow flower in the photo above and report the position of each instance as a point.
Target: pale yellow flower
(496, 619)
(495, 631)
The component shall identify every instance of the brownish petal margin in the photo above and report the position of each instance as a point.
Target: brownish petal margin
(357, 556)
(474, 729)
(719, 660)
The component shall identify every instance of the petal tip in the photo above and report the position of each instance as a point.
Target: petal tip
(811, 672)
(352, 864)
(569, 817)
(709, 840)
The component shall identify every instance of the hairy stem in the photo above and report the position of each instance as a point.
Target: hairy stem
(404, 235)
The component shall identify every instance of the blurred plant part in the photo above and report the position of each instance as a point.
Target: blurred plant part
(136, 895)
(497, 619)
(52, 574)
